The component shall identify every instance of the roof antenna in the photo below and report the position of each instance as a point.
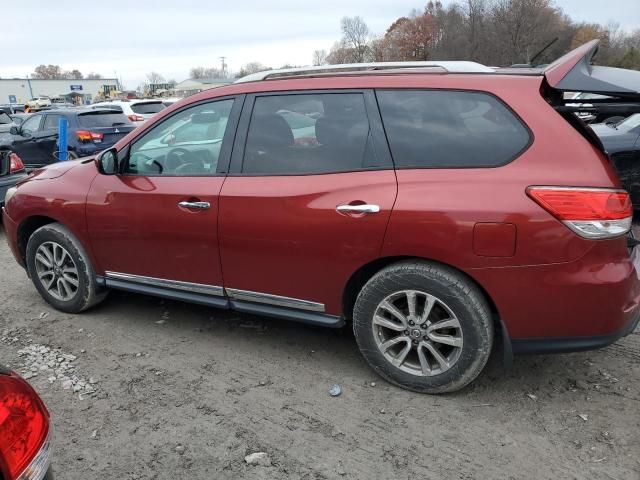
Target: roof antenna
(543, 50)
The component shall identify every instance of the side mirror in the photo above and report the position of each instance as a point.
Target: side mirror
(14, 130)
(107, 162)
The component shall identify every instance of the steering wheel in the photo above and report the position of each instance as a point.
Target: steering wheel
(179, 159)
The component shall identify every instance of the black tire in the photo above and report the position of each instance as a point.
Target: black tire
(454, 293)
(88, 292)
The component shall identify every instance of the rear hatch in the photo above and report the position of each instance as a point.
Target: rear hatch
(147, 109)
(107, 125)
(576, 72)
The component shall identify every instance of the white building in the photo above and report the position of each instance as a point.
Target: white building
(20, 90)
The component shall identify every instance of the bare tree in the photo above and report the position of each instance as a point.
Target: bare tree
(93, 76)
(355, 37)
(197, 73)
(154, 77)
(319, 57)
(252, 67)
(47, 72)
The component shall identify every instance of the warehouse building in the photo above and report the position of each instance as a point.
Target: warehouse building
(20, 90)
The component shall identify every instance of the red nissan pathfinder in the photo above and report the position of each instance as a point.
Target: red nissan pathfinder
(435, 206)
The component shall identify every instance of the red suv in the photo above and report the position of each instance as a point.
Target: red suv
(436, 205)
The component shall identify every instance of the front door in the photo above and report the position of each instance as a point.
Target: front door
(25, 144)
(156, 223)
(308, 198)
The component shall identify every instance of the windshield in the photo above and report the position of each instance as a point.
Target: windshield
(102, 119)
(147, 107)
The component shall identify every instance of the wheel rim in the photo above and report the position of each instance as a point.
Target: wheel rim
(417, 333)
(56, 271)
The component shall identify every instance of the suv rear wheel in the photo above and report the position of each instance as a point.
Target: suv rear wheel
(61, 271)
(423, 327)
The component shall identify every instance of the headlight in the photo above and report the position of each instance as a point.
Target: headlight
(10, 193)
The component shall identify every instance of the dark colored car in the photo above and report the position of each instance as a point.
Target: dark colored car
(437, 206)
(35, 141)
(11, 172)
(6, 121)
(621, 140)
(25, 431)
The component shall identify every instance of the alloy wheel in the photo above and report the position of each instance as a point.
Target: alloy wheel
(417, 333)
(56, 271)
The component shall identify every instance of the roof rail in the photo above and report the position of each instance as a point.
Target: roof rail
(350, 68)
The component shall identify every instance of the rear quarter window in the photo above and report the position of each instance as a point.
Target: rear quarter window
(450, 129)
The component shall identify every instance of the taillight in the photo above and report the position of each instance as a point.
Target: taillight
(136, 118)
(15, 164)
(87, 136)
(593, 213)
(24, 431)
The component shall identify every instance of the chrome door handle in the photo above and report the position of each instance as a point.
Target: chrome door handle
(358, 208)
(196, 205)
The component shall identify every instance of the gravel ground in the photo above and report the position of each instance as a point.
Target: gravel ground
(141, 388)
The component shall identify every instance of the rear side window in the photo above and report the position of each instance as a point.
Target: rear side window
(51, 122)
(450, 129)
(102, 119)
(146, 108)
(309, 133)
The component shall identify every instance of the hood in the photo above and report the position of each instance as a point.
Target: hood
(604, 130)
(55, 170)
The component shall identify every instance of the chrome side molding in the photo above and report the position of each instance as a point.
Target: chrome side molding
(164, 283)
(270, 299)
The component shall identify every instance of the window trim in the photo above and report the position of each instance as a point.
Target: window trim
(225, 148)
(380, 145)
(463, 90)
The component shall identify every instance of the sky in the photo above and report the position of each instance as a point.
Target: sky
(129, 39)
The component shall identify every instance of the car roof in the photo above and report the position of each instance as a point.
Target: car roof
(78, 111)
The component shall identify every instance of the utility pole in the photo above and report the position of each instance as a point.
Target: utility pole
(30, 90)
(224, 67)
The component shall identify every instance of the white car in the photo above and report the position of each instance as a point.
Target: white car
(39, 102)
(138, 111)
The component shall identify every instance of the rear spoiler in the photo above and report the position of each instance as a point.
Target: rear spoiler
(574, 72)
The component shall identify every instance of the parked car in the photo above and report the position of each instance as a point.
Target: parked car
(435, 205)
(621, 140)
(5, 122)
(601, 111)
(35, 141)
(18, 118)
(38, 102)
(25, 431)
(12, 108)
(136, 110)
(11, 172)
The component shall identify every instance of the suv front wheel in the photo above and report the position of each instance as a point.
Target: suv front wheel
(424, 327)
(60, 269)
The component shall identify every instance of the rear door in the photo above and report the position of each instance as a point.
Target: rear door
(48, 138)
(307, 200)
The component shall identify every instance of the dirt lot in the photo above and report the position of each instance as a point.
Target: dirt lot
(184, 391)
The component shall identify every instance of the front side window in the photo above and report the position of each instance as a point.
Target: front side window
(307, 134)
(31, 125)
(450, 129)
(185, 144)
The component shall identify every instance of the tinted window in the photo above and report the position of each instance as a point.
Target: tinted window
(142, 108)
(316, 133)
(115, 108)
(102, 119)
(447, 129)
(51, 122)
(185, 144)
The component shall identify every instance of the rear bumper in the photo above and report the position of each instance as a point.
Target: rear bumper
(530, 346)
